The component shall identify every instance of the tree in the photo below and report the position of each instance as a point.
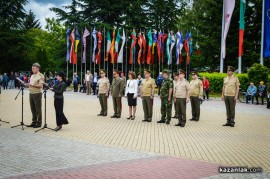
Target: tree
(29, 21)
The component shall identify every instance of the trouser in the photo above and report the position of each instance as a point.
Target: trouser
(230, 108)
(206, 93)
(117, 105)
(103, 103)
(195, 107)
(11, 84)
(181, 106)
(262, 98)
(252, 98)
(5, 85)
(166, 109)
(60, 116)
(159, 86)
(75, 85)
(94, 88)
(35, 104)
(147, 107)
(88, 87)
(175, 110)
(268, 103)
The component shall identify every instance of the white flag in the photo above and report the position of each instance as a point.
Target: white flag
(228, 11)
(172, 45)
(120, 56)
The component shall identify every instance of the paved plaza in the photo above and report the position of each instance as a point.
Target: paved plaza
(101, 147)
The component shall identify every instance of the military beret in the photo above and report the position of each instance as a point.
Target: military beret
(147, 71)
(230, 68)
(103, 71)
(182, 71)
(166, 71)
(194, 73)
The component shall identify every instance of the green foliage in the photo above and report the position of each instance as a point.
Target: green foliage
(258, 73)
(216, 80)
(29, 21)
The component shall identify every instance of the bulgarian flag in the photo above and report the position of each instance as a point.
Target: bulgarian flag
(242, 27)
(109, 40)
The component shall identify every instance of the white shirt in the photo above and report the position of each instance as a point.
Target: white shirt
(131, 87)
(95, 79)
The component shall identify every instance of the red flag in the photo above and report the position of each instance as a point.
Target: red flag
(144, 48)
(181, 59)
(99, 35)
(73, 56)
(112, 48)
(133, 36)
(159, 41)
(140, 51)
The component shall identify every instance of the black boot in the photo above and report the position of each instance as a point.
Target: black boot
(228, 123)
(162, 120)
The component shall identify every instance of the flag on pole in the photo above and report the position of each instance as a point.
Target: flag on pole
(242, 27)
(94, 35)
(150, 43)
(266, 44)
(72, 52)
(159, 41)
(164, 36)
(68, 51)
(140, 42)
(190, 45)
(153, 46)
(144, 48)
(112, 48)
(132, 50)
(179, 46)
(108, 45)
(85, 34)
(171, 48)
(168, 48)
(120, 56)
(228, 10)
(99, 36)
(116, 46)
(186, 46)
(77, 40)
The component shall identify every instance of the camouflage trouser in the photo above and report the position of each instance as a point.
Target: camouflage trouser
(166, 109)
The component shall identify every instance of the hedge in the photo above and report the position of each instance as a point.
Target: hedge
(216, 81)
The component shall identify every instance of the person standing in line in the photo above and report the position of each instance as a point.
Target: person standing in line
(122, 76)
(89, 80)
(230, 92)
(75, 82)
(175, 81)
(131, 94)
(103, 92)
(117, 88)
(35, 86)
(181, 98)
(139, 81)
(58, 90)
(196, 91)
(159, 82)
(147, 95)
(268, 96)
(166, 92)
(11, 80)
(5, 81)
(95, 80)
(206, 86)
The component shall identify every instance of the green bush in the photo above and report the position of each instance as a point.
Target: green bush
(216, 81)
(258, 73)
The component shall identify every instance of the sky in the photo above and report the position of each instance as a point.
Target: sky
(41, 8)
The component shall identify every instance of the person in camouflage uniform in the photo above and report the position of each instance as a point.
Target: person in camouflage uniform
(166, 98)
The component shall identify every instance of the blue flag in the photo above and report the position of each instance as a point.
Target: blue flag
(266, 49)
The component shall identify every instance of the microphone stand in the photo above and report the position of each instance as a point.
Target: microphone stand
(21, 90)
(45, 125)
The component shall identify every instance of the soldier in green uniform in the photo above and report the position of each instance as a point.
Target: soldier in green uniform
(117, 92)
(196, 92)
(181, 97)
(147, 95)
(103, 92)
(166, 98)
(230, 95)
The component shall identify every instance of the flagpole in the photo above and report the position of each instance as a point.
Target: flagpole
(126, 54)
(104, 37)
(67, 70)
(91, 52)
(262, 35)
(222, 39)
(81, 55)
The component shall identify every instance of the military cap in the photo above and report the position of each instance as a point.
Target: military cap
(36, 65)
(194, 73)
(230, 68)
(175, 74)
(147, 71)
(103, 71)
(166, 71)
(182, 71)
(116, 71)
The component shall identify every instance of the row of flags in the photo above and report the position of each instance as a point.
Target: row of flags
(145, 55)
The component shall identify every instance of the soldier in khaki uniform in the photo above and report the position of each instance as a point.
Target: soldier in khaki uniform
(117, 88)
(147, 95)
(196, 92)
(181, 97)
(103, 92)
(176, 79)
(35, 97)
(230, 95)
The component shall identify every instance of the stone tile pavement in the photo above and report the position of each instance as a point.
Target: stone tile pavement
(206, 141)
